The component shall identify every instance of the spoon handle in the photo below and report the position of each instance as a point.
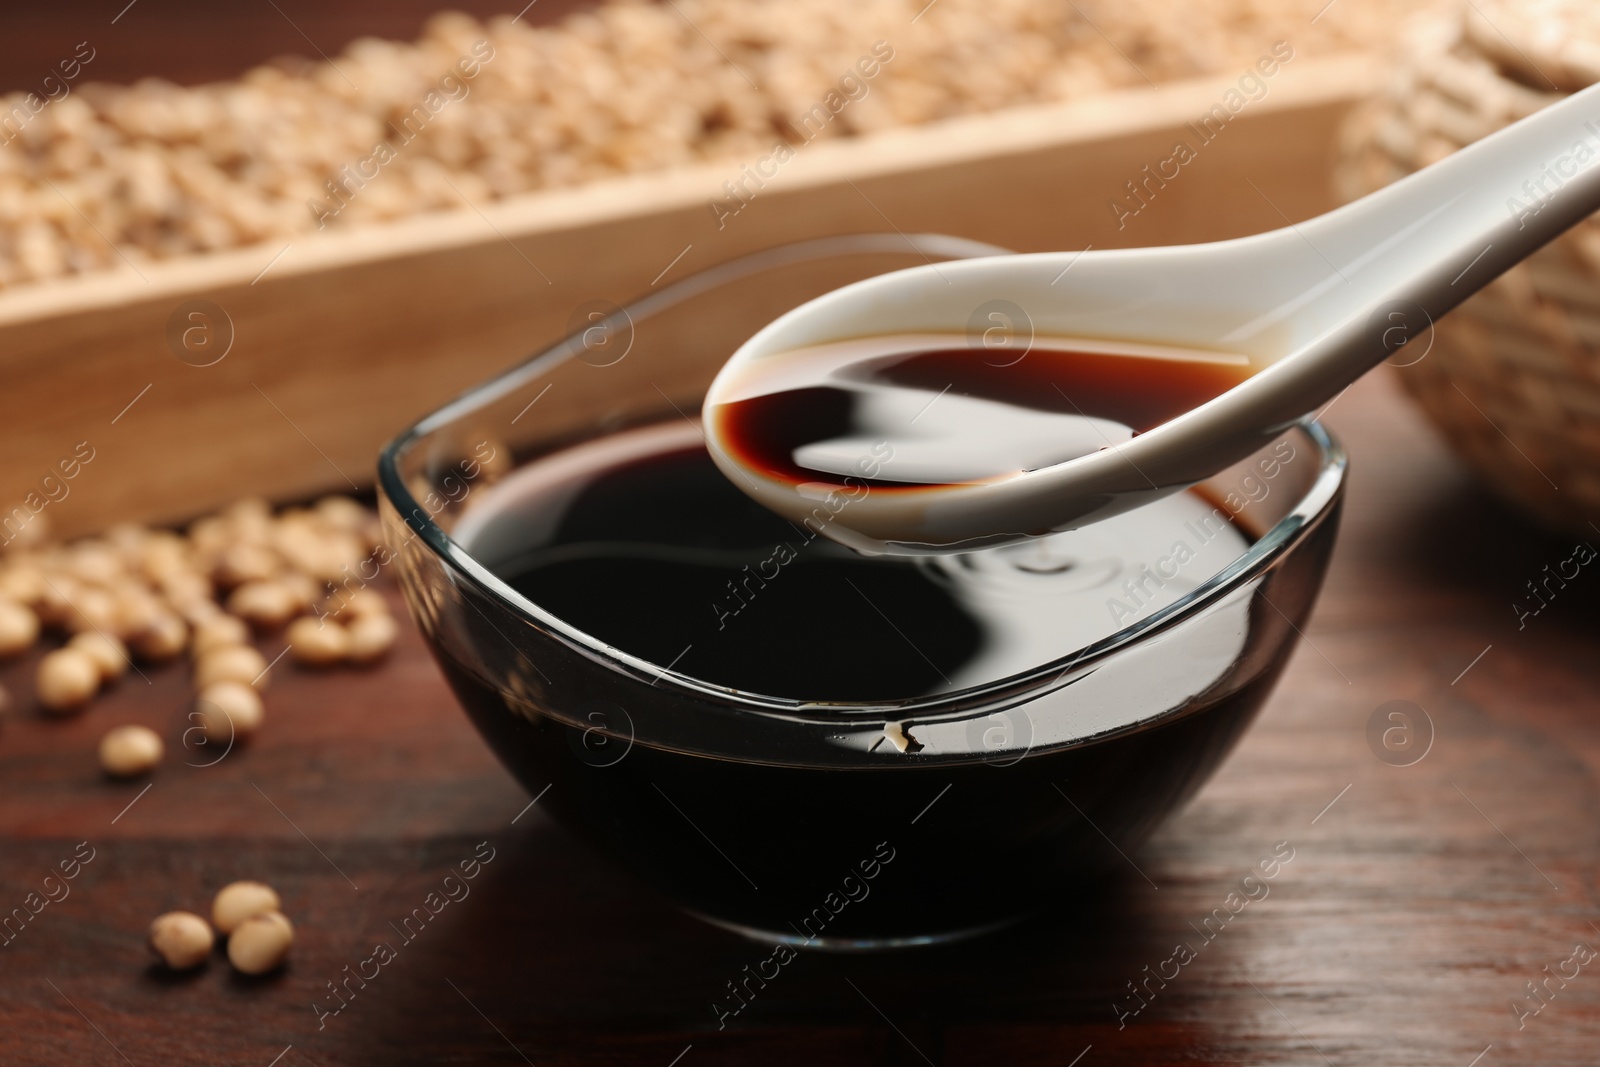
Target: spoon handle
(1439, 235)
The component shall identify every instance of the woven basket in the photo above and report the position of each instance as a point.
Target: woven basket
(1513, 376)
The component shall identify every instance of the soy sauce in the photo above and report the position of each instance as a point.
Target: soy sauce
(908, 411)
(639, 541)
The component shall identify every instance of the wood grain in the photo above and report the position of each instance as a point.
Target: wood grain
(191, 42)
(1415, 908)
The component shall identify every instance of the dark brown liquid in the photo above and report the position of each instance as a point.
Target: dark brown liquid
(891, 412)
(641, 542)
(654, 551)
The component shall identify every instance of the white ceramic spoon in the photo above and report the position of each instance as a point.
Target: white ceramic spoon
(1313, 306)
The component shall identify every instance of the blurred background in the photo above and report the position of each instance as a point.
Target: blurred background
(243, 245)
(404, 179)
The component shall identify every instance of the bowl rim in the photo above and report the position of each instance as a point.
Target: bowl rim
(1317, 501)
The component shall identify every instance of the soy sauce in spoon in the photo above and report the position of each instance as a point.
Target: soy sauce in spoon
(921, 413)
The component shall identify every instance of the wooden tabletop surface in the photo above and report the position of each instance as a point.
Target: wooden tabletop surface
(1419, 902)
(191, 42)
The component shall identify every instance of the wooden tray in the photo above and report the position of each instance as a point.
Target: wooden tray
(340, 339)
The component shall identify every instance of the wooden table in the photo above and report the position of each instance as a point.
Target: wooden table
(1419, 901)
(192, 42)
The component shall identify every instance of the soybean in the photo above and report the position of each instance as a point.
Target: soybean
(217, 631)
(264, 603)
(19, 628)
(66, 679)
(229, 711)
(238, 901)
(371, 637)
(231, 663)
(261, 943)
(109, 654)
(182, 939)
(129, 751)
(317, 642)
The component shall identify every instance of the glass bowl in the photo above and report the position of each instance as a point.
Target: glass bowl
(837, 823)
